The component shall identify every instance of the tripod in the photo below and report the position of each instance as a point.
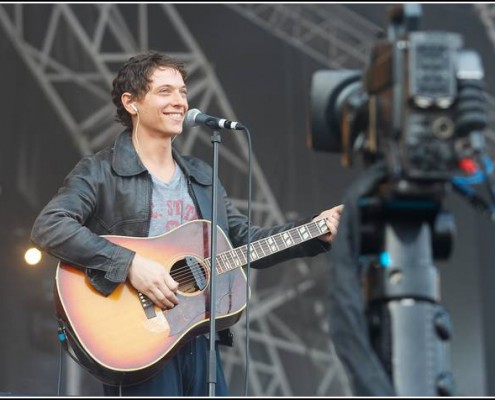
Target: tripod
(409, 329)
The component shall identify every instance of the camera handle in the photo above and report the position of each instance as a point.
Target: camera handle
(409, 329)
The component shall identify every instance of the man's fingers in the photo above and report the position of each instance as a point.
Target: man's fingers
(163, 297)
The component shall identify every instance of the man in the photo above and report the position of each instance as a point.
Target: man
(140, 187)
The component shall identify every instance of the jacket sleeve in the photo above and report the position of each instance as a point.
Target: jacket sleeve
(238, 233)
(60, 228)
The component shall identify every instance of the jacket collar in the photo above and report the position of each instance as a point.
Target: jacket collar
(126, 161)
(193, 168)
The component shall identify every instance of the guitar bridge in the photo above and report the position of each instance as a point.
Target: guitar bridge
(147, 305)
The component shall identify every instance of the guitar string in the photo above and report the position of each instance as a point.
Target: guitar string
(197, 267)
(243, 250)
(182, 272)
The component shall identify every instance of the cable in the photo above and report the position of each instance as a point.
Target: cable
(486, 167)
(135, 134)
(463, 185)
(63, 344)
(248, 265)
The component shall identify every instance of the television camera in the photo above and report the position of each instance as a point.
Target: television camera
(418, 108)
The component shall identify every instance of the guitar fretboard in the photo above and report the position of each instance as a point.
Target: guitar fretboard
(238, 257)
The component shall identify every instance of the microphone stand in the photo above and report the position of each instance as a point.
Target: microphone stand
(212, 358)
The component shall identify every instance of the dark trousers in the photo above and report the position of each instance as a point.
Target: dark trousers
(185, 374)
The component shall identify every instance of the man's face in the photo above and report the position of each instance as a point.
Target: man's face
(163, 108)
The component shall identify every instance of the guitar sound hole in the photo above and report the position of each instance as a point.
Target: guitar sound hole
(191, 275)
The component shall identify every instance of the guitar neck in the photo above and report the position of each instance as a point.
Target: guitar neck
(238, 257)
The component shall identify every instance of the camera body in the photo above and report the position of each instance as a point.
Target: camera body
(415, 106)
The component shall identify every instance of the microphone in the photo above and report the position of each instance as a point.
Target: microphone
(194, 117)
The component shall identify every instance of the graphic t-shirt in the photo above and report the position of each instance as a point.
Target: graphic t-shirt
(171, 204)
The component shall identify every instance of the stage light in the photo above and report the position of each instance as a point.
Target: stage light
(32, 256)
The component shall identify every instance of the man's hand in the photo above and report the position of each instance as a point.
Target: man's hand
(153, 280)
(332, 218)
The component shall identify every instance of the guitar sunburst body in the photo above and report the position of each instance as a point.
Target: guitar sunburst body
(123, 338)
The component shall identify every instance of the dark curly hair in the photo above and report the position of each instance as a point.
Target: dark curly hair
(134, 77)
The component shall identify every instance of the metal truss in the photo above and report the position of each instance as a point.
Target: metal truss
(329, 33)
(72, 50)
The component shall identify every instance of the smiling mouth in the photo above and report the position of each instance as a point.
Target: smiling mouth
(175, 116)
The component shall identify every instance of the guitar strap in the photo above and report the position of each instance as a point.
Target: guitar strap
(67, 340)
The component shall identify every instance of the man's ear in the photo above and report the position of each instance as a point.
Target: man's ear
(127, 102)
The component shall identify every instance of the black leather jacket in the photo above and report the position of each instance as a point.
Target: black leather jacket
(109, 193)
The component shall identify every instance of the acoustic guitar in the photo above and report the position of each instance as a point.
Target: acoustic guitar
(124, 338)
